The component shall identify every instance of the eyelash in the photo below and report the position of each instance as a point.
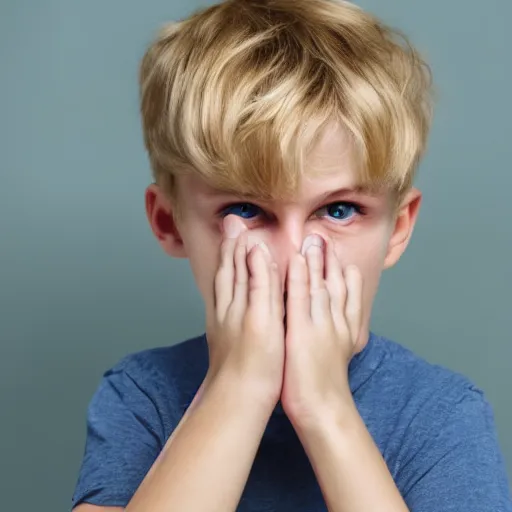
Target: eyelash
(358, 208)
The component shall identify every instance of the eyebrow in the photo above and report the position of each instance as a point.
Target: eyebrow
(358, 189)
(343, 191)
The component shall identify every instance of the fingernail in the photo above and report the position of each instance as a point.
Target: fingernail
(232, 228)
(310, 240)
(254, 240)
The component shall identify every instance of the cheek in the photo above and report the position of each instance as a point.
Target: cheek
(368, 254)
(204, 275)
(204, 262)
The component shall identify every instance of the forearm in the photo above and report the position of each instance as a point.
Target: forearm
(350, 470)
(206, 462)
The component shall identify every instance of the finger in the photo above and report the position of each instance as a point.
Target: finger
(336, 285)
(312, 249)
(354, 303)
(276, 292)
(319, 302)
(298, 301)
(224, 278)
(259, 280)
(232, 227)
(239, 303)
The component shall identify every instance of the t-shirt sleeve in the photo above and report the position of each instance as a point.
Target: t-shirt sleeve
(460, 468)
(124, 438)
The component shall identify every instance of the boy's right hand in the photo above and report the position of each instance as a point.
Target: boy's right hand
(214, 446)
(244, 322)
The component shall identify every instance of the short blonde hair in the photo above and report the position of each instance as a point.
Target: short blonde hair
(240, 91)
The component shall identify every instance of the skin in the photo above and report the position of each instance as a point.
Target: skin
(330, 265)
(372, 242)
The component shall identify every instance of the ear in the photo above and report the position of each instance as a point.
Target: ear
(403, 226)
(162, 220)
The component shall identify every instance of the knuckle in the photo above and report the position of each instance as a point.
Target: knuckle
(254, 326)
(241, 279)
(296, 281)
(298, 293)
(252, 256)
(334, 292)
(240, 249)
(225, 246)
(256, 284)
(343, 329)
(217, 279)
(225, 265)
(231, 322)
(320, 292)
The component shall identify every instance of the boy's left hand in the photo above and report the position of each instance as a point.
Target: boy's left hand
(323, 324)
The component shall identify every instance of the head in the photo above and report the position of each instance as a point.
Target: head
(298, 117)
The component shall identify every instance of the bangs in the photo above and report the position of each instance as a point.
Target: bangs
(240, 93)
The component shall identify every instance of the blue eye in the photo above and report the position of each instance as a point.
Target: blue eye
(342, 211)
(244, 210)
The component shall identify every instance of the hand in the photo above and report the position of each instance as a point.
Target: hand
(323, 322)
(245, 329)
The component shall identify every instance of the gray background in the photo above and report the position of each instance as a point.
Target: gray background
(82, 281)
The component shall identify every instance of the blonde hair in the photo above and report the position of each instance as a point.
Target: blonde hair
(240, 91)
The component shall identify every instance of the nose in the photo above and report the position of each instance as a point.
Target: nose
(283, 243)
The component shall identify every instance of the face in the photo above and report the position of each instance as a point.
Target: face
(365, 229)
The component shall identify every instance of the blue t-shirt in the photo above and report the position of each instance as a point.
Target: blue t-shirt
(434, 428)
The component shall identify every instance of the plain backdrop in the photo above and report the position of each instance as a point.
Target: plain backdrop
(83, 283)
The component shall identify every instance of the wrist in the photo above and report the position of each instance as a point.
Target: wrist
(326, 417)
(241, 393)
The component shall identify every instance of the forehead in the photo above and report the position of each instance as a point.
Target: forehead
(328, 167)
(332, 152)
(312, 190)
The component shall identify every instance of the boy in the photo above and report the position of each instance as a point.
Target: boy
(284, 136)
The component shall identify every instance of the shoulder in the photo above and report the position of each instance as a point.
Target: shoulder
(136, 406)
(433, 424)
(408, 399)
(413, 376)
(159, 383)
(186, 351)
(178, 364)
(420, 407)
